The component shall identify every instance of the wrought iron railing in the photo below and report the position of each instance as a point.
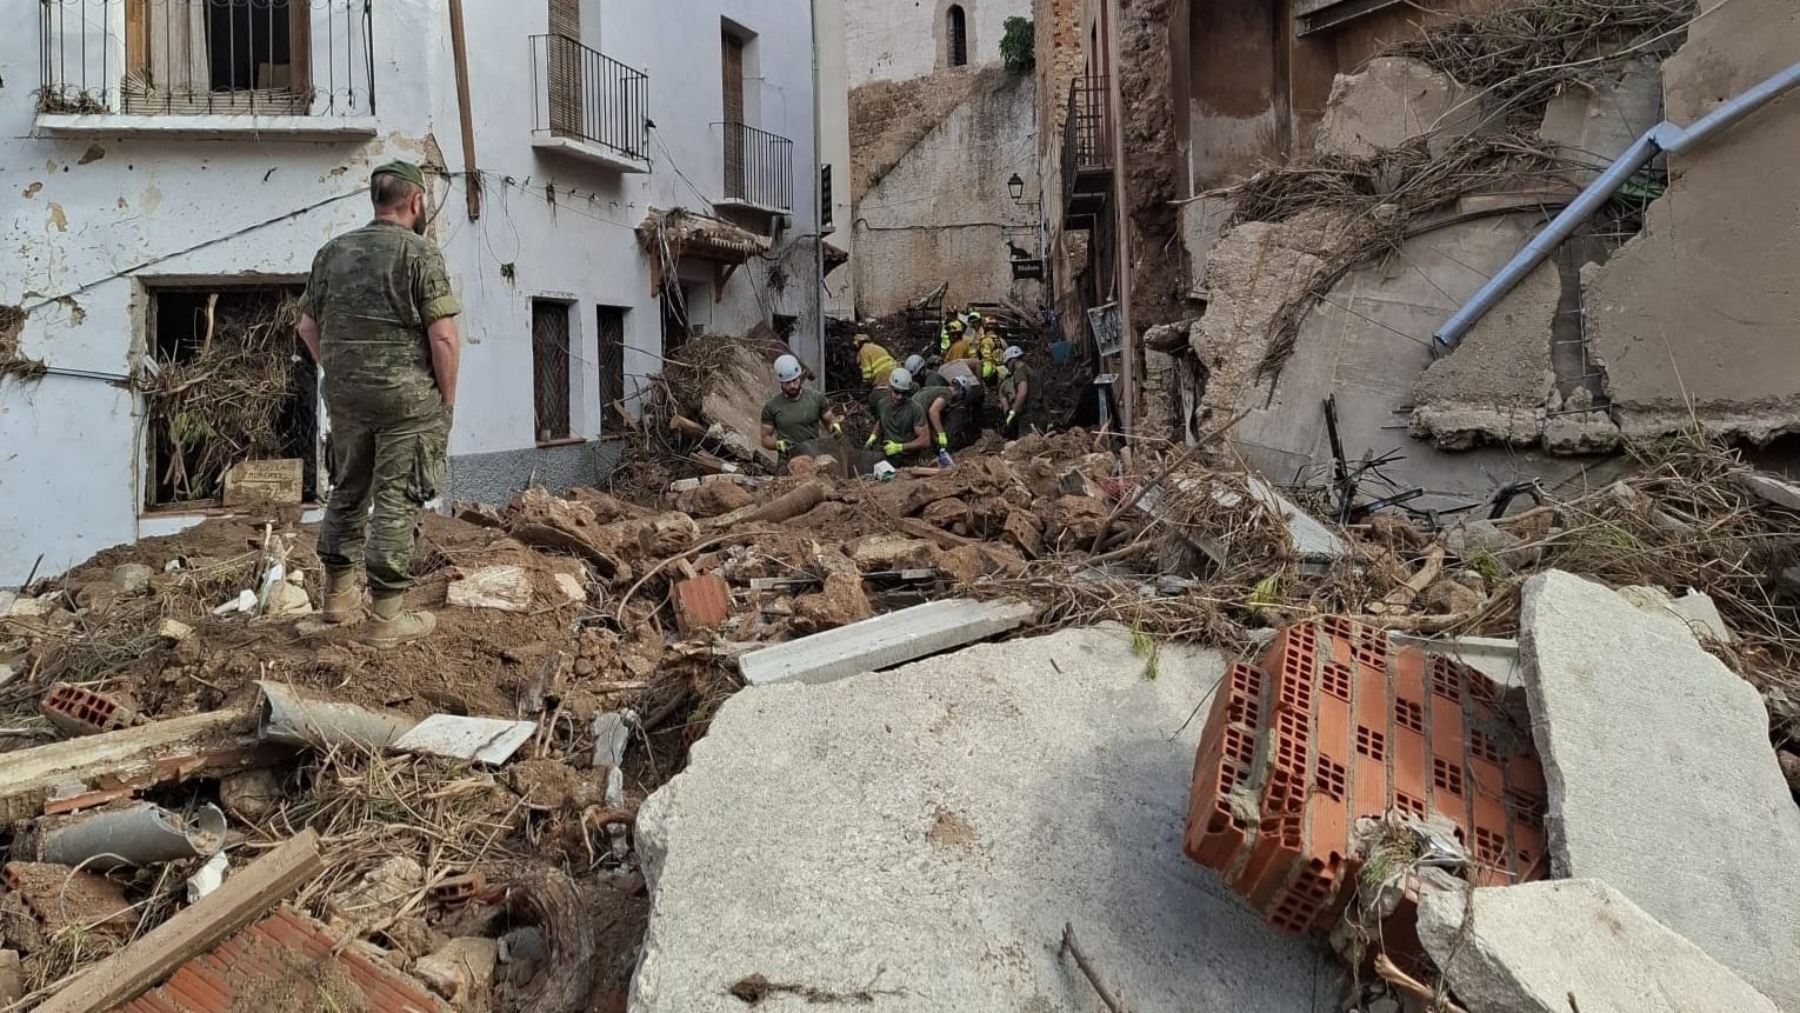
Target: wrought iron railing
(196, 57)
(1086, 145)
(582, 93)
(759, 167)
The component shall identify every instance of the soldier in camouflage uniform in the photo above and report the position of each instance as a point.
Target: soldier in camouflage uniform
(379, 317)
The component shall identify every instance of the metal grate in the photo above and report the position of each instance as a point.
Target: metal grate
(550, 368)
(581, 92)
(206, 57)
(759, 168)
(612, 356)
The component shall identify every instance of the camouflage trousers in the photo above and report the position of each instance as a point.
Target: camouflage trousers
(393, 465)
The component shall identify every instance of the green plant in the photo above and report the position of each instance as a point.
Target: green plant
(1018, 49)
(1145, 646)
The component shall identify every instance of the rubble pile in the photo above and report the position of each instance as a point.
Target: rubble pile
(178, 701)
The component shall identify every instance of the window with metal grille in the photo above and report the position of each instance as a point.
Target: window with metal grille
(550, 368)
(958, 35)
(612, 357)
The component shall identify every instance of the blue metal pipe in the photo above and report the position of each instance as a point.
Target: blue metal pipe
(1664, 137)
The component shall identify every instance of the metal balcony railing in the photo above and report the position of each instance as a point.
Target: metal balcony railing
(582, 93)
(1087, 143)
(206, 57)
(759, 167)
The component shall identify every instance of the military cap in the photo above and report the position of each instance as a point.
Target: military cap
(405, 170)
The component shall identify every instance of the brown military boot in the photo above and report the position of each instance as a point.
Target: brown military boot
(343, 599)
(391, 625)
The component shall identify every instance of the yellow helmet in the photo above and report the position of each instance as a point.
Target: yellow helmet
(956, 326)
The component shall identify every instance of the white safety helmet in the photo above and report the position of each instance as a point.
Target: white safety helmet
(787, 369)
(900, 379)
(915, 363)
(967, 384)
(1012, 352)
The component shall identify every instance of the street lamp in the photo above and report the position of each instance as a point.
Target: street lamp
(1016, 186)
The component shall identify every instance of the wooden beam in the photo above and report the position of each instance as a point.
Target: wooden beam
(194, 930)
(459, 51)
(214, 742)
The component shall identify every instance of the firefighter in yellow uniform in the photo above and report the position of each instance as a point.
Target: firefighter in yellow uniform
(953, 344)
(985, 346)
(872, 360)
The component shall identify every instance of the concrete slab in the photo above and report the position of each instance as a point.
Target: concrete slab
(1694, 612)
(1771, 489)
(1553, 946)
(1661, 778)
(922, 836)
(1392, 100)
(883, 641)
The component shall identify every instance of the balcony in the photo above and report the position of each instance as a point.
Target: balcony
(759, 171)
(589, 106)
(1087, 149)
(295, 68)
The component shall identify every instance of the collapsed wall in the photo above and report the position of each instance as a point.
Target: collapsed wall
(1694, 318)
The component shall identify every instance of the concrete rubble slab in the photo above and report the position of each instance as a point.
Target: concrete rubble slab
(1661, 778)
(507, 588)
(1593, 122)
(922, 836)
(883, 641)
(485, 740)
(1557, 945)
(1392, 100)
(1771, 489)
(1693, 612)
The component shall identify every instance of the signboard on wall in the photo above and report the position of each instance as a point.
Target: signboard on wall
(1024, 269)
(1103, 322)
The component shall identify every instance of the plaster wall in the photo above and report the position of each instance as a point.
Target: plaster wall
(94, 223)
(944, 213)
(1696, 315)
(834, 147)
(894, 40)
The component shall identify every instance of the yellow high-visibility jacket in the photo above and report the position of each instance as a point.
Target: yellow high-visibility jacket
(874, 362)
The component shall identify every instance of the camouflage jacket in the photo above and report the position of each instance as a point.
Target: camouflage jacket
(373, 292)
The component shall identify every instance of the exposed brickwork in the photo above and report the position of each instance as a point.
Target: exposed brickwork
(1332, 726)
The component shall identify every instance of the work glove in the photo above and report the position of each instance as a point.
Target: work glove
(943, 441)
(781, 446)
(1010, 416)
(838, 428)
(891, 447)
(944, 460)
(870, 442)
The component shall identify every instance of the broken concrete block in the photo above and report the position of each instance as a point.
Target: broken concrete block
(1557, 945)
(461, 970)
(173, 630)
(12, 978)
(883, 641)
(1694, 611)
(484, 740)
(1771, 489)
(287, 601)
(1661, 778)
(249, 483)
(914, 823)
(1393, 100)
(131, 578)
(891, 552)
(507, 588)
(251, 795)
(572, 588)
(1594, 121)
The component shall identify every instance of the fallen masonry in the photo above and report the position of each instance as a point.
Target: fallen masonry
(883, 641)
(918, 838)
(1662, 782)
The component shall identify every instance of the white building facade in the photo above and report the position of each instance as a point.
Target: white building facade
(183, 159)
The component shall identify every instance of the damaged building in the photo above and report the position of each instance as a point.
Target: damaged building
(1334, 182)
(182, 161)
(943, 180)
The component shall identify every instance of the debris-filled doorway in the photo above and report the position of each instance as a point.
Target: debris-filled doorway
(225, 383)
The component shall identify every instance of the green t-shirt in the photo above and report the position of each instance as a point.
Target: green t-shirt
(899, 422)
(1009, 387)
(796, 419)
(929, 394)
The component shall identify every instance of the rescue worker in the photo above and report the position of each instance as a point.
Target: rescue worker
(986, 347)
(899, 421)
(939, 404)
(952, 342)
(792, 418)
(1021, 395)
(915, 364)
(965, 416)
(872, 360)
(379, 317)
